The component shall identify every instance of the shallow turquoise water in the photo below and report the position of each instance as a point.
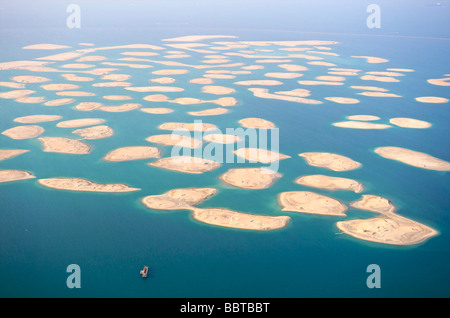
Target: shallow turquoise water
(111, 237)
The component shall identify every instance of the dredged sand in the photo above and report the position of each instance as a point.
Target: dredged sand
(186, 164)
(310, 202)
(77, 184)
(217, 90)
(413, 158)
(95, 132)
(239, 220)
(221, 138)
(24, 132)
(64, 145)
(330, 161)
(432, 99)
(259, 155)
(259, 82)
(175, 140)
(75, 123)
(360, 125)
(409, 123)
(343, 100)
(30, 79)
(330, 183)
(11, 153)
(59, 102)
(363, 117)
(157, 110)
(132, 153)
(14, 175)
(120, 108)
(250, 178)
(253, 122)
(32, 119)
(178, 199)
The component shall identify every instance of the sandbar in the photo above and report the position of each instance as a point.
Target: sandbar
(264, 93)
(120, 108)
(293, 67)
(178, 199)
(32, 119)
(201, 80)
(209, 112)
(319, 83)
(331, 78)
(387, 229)
(75, 93)
(170, 72)
(217, 90)
(283, 75)
(330, 161)
(30, 99)
(163, 80)
(250, 178)
(77, 184)
(440, 81)
(175, 140)
(45, 46)
(410, 123)
(370, 88)
(239, 220)
(297, 92)
(59, 102)
(116, 77)
(117, 97)
(30, 79)
(159, 110)
(360, 125)
(363, 117)
(310, 202)
(431, 99)
(112, 84)
(16, 93)
(259, 155)
(95, 132)
(413, 158)
(321, 63)
(330, 183)
(24, 132)
(259, 82)
(186, 164)
(132, 153)
(343, 100)
(372, 59)
(75, 123)
(14, 175)
(187, 126)
(11, 153)
(221, 138)
(59, 87)
(387, 79)
(253, 122)
(164, 89)
(378, 94)
(64, 145)
(88, 106)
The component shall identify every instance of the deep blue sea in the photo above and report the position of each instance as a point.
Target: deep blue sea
(111, 236)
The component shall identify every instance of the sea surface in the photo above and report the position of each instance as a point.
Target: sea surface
(112, 236)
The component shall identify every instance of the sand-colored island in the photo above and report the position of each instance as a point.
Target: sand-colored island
(24, 132)
(253, 122)
(250, 178)
(64, 145)
(440, 81)
(209, 112)
(360, 125)
(11, 153)
(240, 220)
(187, 126)
(14, 175)
(32, 119)
(378, 94)
(120, 108)
(132, 153)
(330, 183)
(77, 184)
(175, 140)
(59, 87)
(372, 59)
(259, 155)
(186, 164)
(310, 202)
(30, 79)
(413, 158)
(88, 106)
(410, 123)
(343, 100)
(432, 99)
(388, 228)
(363, 117)
(75, 123)
(59, 102)
(95, 132)
(217, 90)
(330, 161)
(178, 199)
(259, 82)
(221, 138)
(157, 110)
(264, 93)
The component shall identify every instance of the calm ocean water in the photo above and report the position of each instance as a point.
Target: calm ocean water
(111, 237)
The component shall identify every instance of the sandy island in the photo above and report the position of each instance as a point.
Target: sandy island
(32, 119)
(30, 79)
(432, 99)
(253, 122)
(14, 175)
(76, 184)
(330, 161)
(363, 117)
(157, 110)
(343, 100)
(64, 145)
(75, 123)
(217, 90)
(24, 132)
(120, 108)
(360, 125)
(239, 220)
(187, 126)
(178, 199)
(410, 123)
(259, 155)
(221, 138)
(310, 202)
(264, 93)
(330, 183)
(132, 153)
(11, 153)
(209, 112)
(259, 82)
(186, 164)
(413, 158)
(175, 140)
(250, 178)
(95, 132)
